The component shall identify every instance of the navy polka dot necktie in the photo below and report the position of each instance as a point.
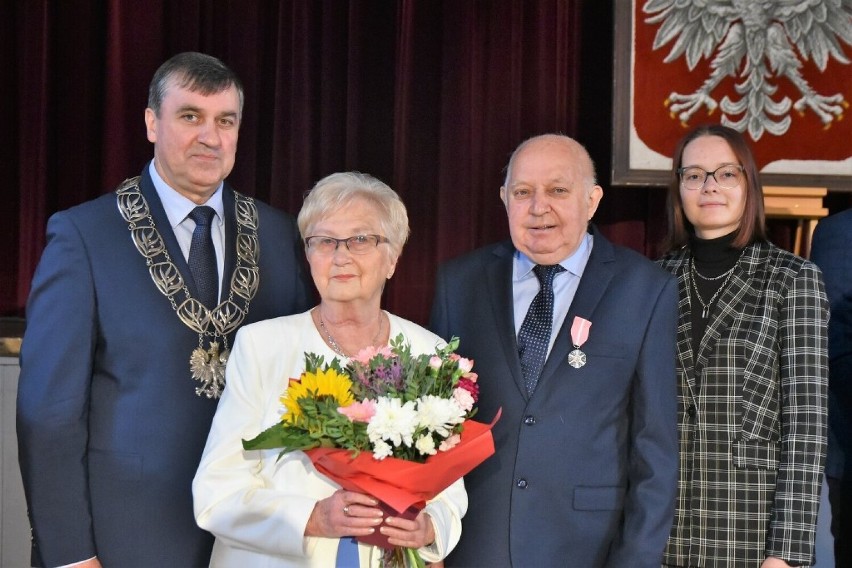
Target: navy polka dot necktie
(202, 257)
(534, 335)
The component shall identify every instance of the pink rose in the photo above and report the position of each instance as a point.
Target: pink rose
(449, 443)
(465, 364)
(359, 411)
(368, 353)
(464, 398)
(435, 362)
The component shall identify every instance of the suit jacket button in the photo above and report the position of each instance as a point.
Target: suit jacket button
(692, 411)
(529, 420)
(522, 483)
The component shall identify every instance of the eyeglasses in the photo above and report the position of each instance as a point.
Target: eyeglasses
(359, 244)
(727, 177)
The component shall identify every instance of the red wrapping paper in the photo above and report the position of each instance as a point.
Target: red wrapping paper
(402, 486)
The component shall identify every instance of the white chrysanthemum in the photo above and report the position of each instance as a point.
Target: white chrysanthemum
(381, 450)
(426, 445)
(439, 414)
(393, 421)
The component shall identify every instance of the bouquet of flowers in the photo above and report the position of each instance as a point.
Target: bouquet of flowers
(389, 423)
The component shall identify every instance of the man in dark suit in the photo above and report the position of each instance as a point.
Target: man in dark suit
(832, 252)
(585, 469)
(133, 305)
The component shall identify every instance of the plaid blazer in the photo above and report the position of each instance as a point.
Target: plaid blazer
(752, 414)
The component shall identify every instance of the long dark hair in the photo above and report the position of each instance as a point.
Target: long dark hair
(753, 224)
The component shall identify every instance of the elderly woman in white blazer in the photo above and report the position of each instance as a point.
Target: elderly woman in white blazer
(272, 512)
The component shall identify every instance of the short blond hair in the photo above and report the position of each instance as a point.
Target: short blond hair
(339, 190)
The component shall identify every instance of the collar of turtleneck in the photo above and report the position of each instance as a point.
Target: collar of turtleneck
(714, 256)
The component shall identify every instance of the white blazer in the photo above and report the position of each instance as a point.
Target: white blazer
(256, 505)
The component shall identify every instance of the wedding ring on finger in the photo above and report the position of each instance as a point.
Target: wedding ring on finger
(346, 511)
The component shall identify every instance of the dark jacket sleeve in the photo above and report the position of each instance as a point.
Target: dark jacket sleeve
(653, 470)
(53, 395)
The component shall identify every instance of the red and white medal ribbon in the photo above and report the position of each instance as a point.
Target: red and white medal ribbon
(579, 335)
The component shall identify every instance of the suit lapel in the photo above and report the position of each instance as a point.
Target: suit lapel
(679, 266)
(499, 279)
(593, 285)
(165, 229)
(230, 238)
(686, 358)
(731, 304)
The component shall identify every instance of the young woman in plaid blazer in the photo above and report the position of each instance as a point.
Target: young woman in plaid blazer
(752, 369)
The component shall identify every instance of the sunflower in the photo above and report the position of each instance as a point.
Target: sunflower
(320, 385)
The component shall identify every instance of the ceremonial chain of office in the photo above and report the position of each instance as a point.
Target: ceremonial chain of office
(207, 366)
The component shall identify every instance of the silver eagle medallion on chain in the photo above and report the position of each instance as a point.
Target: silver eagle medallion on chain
(206, 365)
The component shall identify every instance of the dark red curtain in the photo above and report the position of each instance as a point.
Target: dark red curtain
(430, 96)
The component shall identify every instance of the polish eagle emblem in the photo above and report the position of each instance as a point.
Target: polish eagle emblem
(756, 42)
(208, 367)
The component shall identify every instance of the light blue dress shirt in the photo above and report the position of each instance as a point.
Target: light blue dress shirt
(178, 209)
(525, 285)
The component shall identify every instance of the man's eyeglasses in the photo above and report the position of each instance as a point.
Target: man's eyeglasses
(727, 177)
(359, 244)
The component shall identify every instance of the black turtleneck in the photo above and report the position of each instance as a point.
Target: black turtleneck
(712, 258)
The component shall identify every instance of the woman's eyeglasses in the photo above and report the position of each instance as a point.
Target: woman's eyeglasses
(359, 244)
(727, 177)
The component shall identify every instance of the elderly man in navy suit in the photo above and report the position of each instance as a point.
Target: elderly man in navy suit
(133, 305)
(574, 338)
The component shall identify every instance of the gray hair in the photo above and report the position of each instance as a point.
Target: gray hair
(584, 160)
(198, 72)
(338, 190)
